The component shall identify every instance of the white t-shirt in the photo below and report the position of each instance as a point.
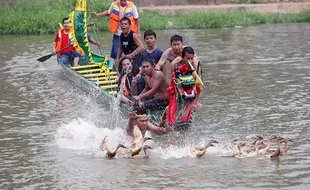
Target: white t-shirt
(121, 14)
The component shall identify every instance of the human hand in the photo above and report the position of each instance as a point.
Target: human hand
(168, 129)
(196, 106)
(94, 15)
(177, 60)
(137, 98)
(54, 51)
(132, 115)
(129, 102)
(116, 61)
(131, 55)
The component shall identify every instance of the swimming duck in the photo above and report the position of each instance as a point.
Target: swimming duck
(266, 149)
(283, 150)
(256, 141)
(110, 154)
(277, 152)
(238, 144)
(140, 142)
(199, 152)
(145, 147)
(253, 153)
(137, 149)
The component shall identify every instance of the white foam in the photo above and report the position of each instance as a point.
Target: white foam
(86, 137)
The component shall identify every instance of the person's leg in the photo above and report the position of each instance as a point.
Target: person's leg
(115, 46)
(65, 59)
(76, 57)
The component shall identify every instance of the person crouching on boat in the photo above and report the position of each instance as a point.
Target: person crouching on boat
(154, 95)
(64, 40)
(127, 72)
(184, 89)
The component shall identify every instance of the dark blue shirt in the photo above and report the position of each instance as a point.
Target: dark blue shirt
(155, 55)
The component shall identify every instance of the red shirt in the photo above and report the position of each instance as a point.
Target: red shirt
(65, 41)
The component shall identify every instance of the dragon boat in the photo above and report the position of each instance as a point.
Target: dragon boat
(97, 72)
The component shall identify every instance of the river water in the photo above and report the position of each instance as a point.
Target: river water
(257, 81)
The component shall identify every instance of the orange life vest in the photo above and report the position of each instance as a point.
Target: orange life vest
(123, 82)
(115, 16)
(71, 39)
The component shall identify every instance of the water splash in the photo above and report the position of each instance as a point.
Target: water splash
(85, 137)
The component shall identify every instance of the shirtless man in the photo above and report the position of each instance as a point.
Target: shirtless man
(141, 121)
(175, 50)
(154, 94)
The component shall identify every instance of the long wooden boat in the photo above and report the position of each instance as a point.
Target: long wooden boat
(97, 72)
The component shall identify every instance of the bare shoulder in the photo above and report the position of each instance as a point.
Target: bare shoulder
(159, 75)
(168, 51)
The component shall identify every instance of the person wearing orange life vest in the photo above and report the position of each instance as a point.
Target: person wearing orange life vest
(63, 39)
(118, 10)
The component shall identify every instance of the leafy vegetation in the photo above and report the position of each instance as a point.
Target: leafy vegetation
(43, 16)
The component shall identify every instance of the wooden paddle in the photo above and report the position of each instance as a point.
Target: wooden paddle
(46, 57)
(195, 73)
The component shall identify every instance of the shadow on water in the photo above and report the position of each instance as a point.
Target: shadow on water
(257, 82)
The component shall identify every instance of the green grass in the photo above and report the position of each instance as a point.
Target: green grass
(43, 16)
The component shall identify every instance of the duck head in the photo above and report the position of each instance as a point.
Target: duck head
(147, 138)
(147, 147)
(121, 146)
(286, 140)
(210, 143)
(272, 137)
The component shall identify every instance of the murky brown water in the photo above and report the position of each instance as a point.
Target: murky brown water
(257, 80)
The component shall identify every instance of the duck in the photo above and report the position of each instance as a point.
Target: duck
(253, 153)
(266, 149)
(256, 141)
(277, 152)
(283, 150)
(137, 149)
(146, 155)
(199, 152)
(238, 144)
(140, 142)
(110, 154)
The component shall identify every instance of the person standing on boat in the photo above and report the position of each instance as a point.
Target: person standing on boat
(63, 39)
(151, 52)
(130, 43)
(118, 10)
(154, 96)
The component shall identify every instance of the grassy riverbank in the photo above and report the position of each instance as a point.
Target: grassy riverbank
(43, 16)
